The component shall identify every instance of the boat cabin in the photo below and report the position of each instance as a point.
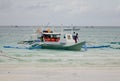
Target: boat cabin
(51, 37)
(57, 37)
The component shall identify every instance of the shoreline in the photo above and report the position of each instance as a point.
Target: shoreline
(32, 65)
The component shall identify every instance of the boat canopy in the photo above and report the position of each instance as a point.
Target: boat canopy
(51, 33)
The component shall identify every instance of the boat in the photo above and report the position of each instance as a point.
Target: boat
(59, 41)
(53, 40)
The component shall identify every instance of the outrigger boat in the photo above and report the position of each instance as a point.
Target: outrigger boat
(51, 40)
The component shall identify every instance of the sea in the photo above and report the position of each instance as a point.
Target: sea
(104, 43)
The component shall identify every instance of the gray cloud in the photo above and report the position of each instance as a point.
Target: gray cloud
(5, 4)
(38, 5)
(76, 12)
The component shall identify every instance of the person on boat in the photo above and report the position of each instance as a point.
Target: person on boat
(74, 35)
(48, 30)
(76, 38)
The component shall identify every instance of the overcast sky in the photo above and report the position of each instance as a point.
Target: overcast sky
(57, 12)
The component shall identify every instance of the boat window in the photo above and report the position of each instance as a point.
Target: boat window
(47, 36)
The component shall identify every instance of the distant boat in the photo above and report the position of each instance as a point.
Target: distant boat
(115, 45)
(71, 29)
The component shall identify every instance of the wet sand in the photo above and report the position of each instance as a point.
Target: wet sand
(31, 72)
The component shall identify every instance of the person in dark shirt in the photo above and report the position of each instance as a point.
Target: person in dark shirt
(76, 37)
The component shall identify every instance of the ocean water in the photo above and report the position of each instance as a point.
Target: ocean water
(94, 36)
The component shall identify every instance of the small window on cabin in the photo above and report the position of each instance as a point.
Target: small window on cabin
(54, 36)
(58, 36)
(68, 36)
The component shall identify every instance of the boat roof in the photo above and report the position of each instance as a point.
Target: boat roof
(52, 33)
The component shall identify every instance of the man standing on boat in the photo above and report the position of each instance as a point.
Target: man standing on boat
(75, 36)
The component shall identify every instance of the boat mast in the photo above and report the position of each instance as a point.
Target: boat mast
(61, 28)
(72, 28)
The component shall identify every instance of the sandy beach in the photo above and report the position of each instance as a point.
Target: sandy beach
(26, 71)
(31, 72)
